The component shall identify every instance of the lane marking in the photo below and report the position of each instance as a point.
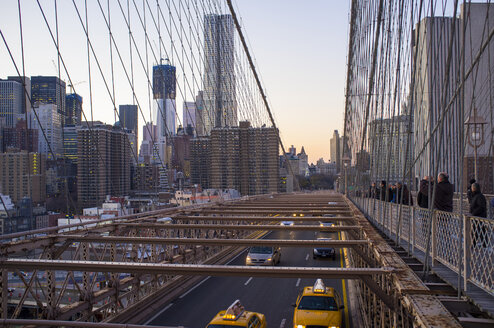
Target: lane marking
(190, 290)
(247, 282)
(233, 259)
(166, 308)
(282, 324)
(307, 257)
(345, 299)
(298, 282)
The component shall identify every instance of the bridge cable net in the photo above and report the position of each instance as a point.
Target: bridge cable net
(179, 63)
(419, 128)
(203, 76)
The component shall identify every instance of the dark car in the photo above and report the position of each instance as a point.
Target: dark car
(324, 251)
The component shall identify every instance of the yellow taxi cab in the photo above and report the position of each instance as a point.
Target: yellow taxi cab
(318, 306)
(236, 316)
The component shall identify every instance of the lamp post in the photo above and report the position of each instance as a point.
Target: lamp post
(475, 134)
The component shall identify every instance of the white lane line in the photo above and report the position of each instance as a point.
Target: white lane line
(282, 324)
(248, 280)
(157, 314)
(204, 280)
(190, 290)
(307, 257)
(233, 259)
(298, 282)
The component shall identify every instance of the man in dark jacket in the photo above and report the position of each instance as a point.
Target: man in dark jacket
(423, 194)
(383, 191)
(443, 200)
(373, 191)
(478, 204)
(402, 191)
(469, 190)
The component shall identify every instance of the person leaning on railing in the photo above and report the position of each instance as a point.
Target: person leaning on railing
(426, 184)
(443, 200)
(478, 203)
(478, 208)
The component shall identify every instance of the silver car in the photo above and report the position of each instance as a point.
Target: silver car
(263, 255)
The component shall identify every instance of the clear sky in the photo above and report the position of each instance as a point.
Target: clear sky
(300, 49)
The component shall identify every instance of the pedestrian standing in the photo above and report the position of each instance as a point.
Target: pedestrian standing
(425, 185)
(443, 199)
(402, 192)
(383, 190)
(478, 204)
(372, 190)
(478, 208)
(469, 190)
(392, 194)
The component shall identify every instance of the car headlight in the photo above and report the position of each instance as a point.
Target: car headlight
(248, 258)
(270, 259)
(300, 326)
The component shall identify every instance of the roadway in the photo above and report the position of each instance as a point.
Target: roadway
(271, 296)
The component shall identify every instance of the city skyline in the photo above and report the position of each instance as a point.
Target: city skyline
(320, 93)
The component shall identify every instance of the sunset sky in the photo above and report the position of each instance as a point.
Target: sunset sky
(300, 49)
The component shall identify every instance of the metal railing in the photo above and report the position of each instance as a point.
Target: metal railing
(463, 243)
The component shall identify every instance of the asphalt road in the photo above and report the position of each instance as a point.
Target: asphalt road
(271, 296)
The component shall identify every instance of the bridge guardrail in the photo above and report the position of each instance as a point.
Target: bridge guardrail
(456, 240)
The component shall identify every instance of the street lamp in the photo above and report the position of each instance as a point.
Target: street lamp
(475, 134)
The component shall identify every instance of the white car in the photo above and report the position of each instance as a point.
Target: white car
(287, 223)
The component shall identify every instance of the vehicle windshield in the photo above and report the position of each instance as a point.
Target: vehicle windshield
(221, 326)
(322, 303)
(261, 250)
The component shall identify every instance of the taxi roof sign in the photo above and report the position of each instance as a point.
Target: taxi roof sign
(234, 311)
(319, 286)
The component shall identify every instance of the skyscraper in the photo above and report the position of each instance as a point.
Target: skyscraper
(73, 109)
(219, 73)
(190, 110)
(21, 137)
(103, 163)
(128, 117)
(164, 91)
(70, 142)
(200, 114)
(149, 137)
(26, 104)
(200, 162)
(48, 90)
(11, 100)
(23, 174)
(335, 151)
(245, 159)
(49, 124)
(129, 122)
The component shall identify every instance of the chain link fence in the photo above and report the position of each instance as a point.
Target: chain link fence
(456, 241)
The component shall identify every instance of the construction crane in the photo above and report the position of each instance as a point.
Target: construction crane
(71, 86)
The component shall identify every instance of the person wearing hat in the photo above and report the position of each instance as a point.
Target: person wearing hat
(469, 190)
